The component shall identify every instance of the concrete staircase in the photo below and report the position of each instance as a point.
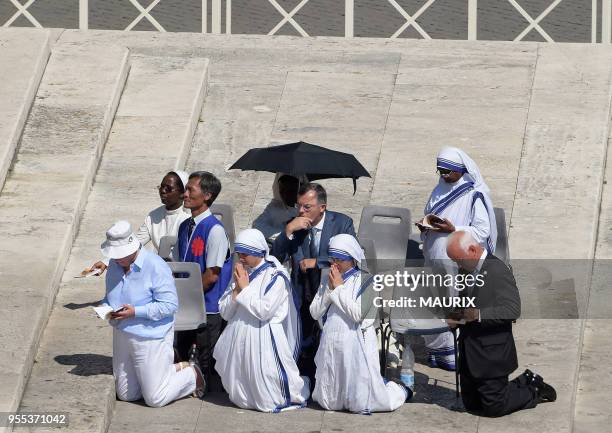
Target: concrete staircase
(150, 136)
(24, 55)
(542, 151)
(46, 191)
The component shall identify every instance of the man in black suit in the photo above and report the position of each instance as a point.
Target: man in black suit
(487, 354)
(305, 241)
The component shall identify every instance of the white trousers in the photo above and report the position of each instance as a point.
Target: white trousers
(144, 368)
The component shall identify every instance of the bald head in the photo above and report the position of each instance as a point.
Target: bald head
(463, 249)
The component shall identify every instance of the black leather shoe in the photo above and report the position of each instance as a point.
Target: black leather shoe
(545, 393)
(532, 378)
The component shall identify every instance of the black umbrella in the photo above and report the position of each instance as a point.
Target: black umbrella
(297, 159)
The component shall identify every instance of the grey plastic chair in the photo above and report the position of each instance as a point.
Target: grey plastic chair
(390, 238)
(166, 247)
(225, 214)
(192, 310)
(370, 253)
(502, 250)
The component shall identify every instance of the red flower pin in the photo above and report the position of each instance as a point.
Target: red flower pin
(197, 247)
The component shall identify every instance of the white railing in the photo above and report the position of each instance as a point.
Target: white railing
(288, 17)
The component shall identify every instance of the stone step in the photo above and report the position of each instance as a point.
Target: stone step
(559, 183)
(45, 193)
(151, 135)
(445, 99)
(592, 413)
(24, 55)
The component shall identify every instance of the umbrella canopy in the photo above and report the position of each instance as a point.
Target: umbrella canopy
(297, 159)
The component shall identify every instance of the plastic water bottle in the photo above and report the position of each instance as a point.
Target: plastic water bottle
(407, 371)
(193, 358)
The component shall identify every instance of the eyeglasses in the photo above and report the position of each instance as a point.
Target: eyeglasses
(306, 207)
(443, 171)
(165, 188)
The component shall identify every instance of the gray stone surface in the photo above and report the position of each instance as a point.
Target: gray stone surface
(152, 130)
(592, 412)
(45, 193)
(560, 181)
(24, 55)
(535, 117)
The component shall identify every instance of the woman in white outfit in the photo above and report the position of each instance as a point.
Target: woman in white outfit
(462, 200)
(348, 367)
(255, 355)
(163, 220)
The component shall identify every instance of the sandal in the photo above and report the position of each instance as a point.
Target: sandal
(200, 382)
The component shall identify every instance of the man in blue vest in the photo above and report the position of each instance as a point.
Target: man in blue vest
(203, 240)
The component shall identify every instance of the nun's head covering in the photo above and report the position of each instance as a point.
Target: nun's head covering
(253, 243)
(452, 158)
(346, 247)
(183, 177)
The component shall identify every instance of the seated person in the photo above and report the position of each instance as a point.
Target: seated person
(140, 289)
(164, 220)
(348, 366)
(255, 354)
(281, 208)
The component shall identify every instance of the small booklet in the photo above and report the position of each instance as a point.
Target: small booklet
(428, 220)
(103, 311)
(89, 273)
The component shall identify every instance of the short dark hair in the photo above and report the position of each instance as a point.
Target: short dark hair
(208, 183)
(317, 188)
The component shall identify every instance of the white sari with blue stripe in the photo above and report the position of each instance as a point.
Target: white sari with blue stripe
(254, 358)
(466, 204)
(348, 366)
(468, 209)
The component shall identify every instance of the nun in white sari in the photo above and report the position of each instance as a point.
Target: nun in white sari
(462, 199)
(465, 203)
(348, 366)
(255, 355)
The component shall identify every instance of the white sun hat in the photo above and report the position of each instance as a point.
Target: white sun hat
(120, 241)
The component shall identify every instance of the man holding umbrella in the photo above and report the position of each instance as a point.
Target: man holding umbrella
(305, 241)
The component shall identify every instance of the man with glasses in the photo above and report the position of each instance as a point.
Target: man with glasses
(305, 241)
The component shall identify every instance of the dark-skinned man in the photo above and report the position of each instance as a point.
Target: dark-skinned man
(304, 241)
(203, 240)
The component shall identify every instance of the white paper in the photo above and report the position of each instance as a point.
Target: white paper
(103, 311)
(96, 271)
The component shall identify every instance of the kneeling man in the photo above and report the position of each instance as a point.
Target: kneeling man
(487, 354)
(140, 289)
